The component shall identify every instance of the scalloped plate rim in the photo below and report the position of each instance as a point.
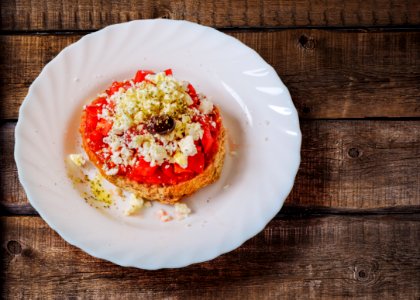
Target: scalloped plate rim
(221, 250)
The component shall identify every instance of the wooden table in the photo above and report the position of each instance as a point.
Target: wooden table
(351, 226)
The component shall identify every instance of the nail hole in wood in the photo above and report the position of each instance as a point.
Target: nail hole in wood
(306, 110)
(354, 152)
(306, 42)
(14, 247)
(362, 274)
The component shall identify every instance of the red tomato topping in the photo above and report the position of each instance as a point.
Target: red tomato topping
(141, 75)
(96, 129)
(115, 87)
(96, 142)
(101, 101)
(196, 163)
(207, 140)
(193, 94)
(103, 126)
(142, 169)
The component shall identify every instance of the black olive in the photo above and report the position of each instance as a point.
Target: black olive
(161, 124)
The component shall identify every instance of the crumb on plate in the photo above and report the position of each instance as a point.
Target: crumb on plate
(77, 159)
(164, 216)
(136, 204)
(182, 211)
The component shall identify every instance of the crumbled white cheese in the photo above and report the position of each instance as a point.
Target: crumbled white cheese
(181, 159)
(98, 191)
(182, 211)
(77, 159)
(157, 154)
(116, 158)
(195, 130)
(112, 172)
(188, 99)
(136, 204)
(206, 106)
(105, 114)
(134, 106)
(187, 146)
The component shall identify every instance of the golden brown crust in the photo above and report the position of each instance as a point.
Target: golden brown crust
(165, 194)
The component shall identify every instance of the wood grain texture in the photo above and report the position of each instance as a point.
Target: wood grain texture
(95, 14)
(319, 257)
(359, 165)
(330, 74)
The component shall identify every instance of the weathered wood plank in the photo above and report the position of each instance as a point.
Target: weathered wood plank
(346, 165)
(326, 76)
(88, 15)
(319, 257)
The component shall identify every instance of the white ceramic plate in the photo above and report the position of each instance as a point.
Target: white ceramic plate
(257, 110)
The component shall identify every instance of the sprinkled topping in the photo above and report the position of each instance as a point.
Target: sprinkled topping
(98, 190)
(77, 159)
(152, 119)
(153, 129)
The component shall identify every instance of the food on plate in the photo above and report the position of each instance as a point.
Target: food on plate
(154, 136)
(77, 159)
(182, 211)
(136, 204)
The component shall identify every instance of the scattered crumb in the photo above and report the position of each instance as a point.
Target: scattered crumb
(233, 153)
(98, 191)
(233, 146)
(77, 159)
(147, 204)
(119, 191)
(267, 122)
(188, 225)
(226, 186)
(182, 211)
(136, 204)
(76, 79)
(266, 139)
(164, 216)
(203, 223)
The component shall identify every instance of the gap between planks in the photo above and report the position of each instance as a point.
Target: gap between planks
(95, 14)
(372, 257)
(327, 79)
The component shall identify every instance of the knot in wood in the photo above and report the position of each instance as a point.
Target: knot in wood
(163, 12)
(14, 247)
(365, 272)
(354, 152)
(306, 110)
(307, 43)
